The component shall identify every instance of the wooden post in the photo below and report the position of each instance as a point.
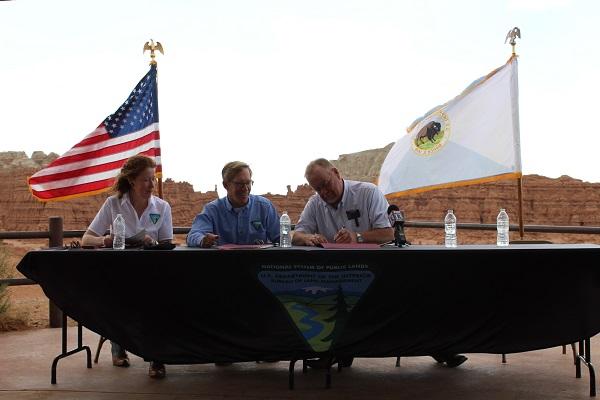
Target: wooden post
(521, 226)
(160, 193)
(55, 230)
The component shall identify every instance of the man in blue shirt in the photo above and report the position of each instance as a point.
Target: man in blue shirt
(239, 217)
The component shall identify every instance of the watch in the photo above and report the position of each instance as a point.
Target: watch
(359, 238)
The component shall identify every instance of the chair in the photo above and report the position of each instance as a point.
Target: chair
(100, 343)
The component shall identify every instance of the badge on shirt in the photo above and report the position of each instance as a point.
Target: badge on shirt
(154, 218)
(256, 224)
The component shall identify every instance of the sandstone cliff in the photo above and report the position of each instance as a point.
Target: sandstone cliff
(562, 201)
(546, 201)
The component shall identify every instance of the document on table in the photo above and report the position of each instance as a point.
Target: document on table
(350, 245)
(232, 246)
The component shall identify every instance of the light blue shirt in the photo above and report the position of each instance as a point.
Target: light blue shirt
(359, 198)
(257, 220)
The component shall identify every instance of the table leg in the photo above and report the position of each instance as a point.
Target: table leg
(578, 361)
(585, 356)
(328, 374)
(588, 362)
(291, 374)
(66, 353)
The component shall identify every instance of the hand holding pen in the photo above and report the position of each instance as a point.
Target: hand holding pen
(343, 235)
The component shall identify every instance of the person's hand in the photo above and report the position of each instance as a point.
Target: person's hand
(149, 241)
(345, 236)
(315, 240)
(107, 241)
(209, 240)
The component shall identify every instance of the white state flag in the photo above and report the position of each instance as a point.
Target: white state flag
(473, 138)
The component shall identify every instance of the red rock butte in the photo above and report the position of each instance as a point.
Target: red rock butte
(546, 201)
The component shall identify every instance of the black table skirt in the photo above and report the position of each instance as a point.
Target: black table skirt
(196, 305)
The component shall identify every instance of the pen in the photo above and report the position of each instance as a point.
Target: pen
(339, 232)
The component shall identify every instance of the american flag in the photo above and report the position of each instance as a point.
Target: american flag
(91, 166)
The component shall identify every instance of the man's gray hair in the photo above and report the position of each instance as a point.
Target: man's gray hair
(319, 162)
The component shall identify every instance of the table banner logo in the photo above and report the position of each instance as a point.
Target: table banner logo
(318, 298)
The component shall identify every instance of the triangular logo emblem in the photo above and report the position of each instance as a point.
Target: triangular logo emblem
(319, 299)
(154, 218)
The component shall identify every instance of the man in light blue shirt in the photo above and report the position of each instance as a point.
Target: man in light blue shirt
(239, 217)
(341, 211)
(345, 211)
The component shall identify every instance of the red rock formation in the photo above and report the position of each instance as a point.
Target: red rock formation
(20, 211)
(292, 202)
(562, 201)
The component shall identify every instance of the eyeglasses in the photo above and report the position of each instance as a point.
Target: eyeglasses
(241, 185)
(324, 186)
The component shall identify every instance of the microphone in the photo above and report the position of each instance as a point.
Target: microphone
(396, 217)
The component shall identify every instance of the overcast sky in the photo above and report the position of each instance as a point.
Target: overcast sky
(279, 83)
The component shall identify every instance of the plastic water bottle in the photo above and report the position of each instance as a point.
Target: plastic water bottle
(502, 227)
(119, 232)
(285, 227)
(450, 227)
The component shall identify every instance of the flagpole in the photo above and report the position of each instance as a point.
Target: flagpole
(511, 37)
(152, 47)
(520, 190)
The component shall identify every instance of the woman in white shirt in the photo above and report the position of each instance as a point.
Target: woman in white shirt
(142, 212)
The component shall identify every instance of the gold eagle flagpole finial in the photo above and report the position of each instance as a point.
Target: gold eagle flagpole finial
(152, 47)
(512, 35)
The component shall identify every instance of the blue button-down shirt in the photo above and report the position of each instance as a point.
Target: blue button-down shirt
(257, 220)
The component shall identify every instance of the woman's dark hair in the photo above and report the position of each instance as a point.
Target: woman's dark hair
(131, 169)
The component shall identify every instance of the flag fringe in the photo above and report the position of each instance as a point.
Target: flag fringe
(487, 179)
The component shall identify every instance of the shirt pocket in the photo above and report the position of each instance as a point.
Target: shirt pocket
(256, 226)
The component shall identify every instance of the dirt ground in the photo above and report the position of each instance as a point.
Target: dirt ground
(28, 306)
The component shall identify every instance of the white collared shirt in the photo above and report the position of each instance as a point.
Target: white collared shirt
(156, 218)
(320, 217)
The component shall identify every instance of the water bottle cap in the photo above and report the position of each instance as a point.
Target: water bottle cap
(450, 211)
(502, 209)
